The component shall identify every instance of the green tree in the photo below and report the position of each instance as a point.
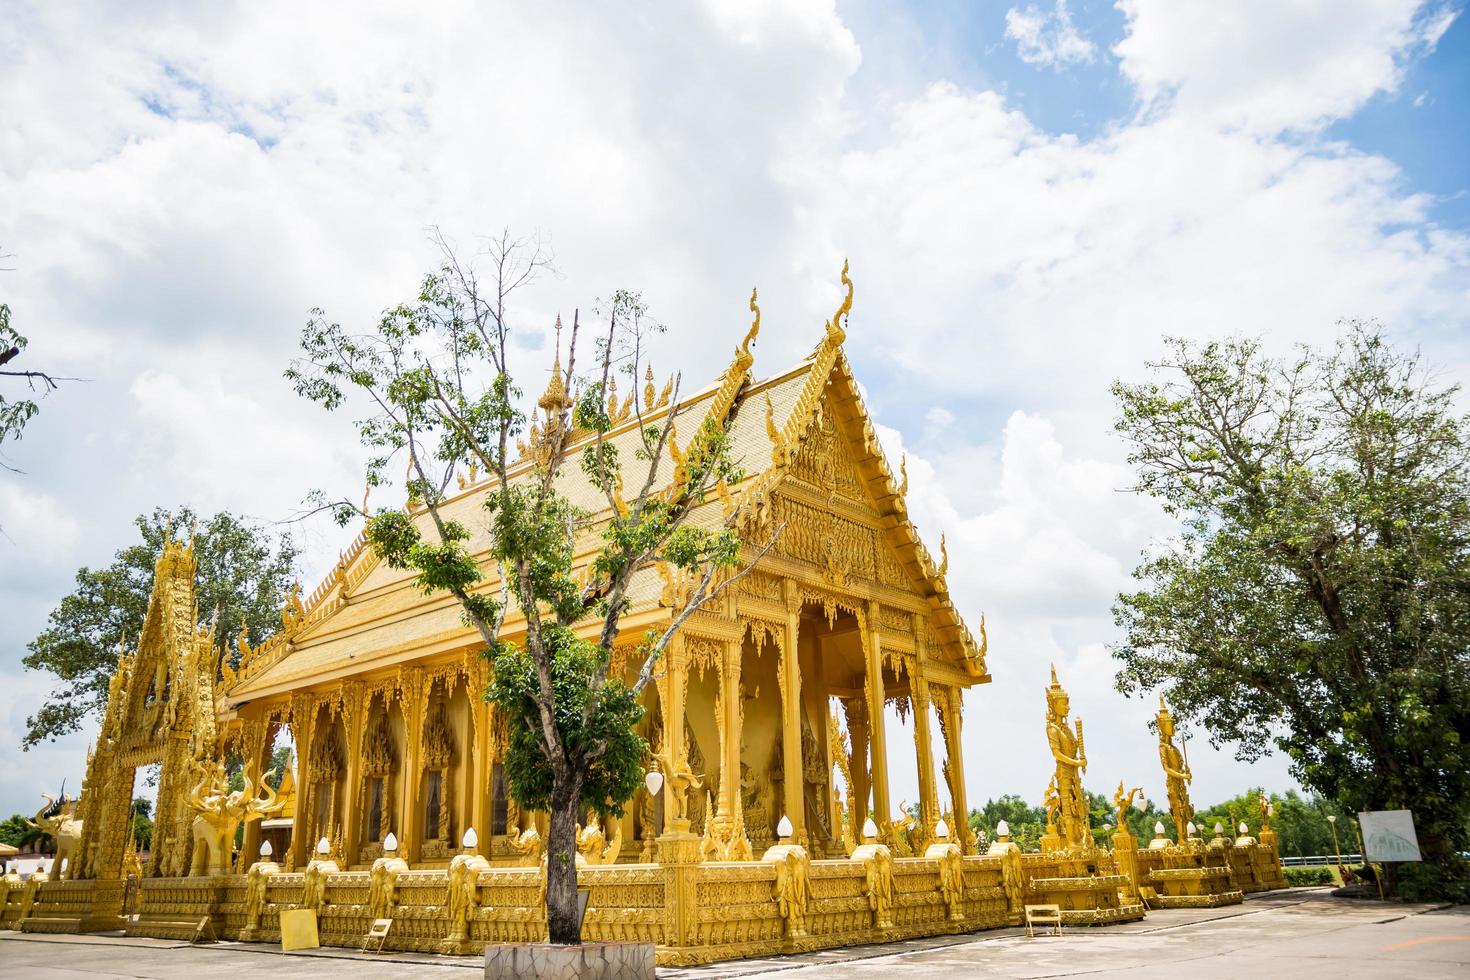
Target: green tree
(1316, 596)
(1026, 822)
(244, 572)
(14, 829)
(142, 822)
(436, 374)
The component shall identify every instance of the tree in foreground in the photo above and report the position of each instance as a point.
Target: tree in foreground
(1317, 595)
(244, 574)
(437, 378)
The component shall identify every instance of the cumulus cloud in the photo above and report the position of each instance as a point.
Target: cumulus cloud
(1047, 37)
(1275, 66)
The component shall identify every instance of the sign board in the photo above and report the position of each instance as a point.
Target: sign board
(377, 934)
(298, 929)
(1388, 835)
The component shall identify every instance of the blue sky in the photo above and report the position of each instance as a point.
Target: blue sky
(1031, 195)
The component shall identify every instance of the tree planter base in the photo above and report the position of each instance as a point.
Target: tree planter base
(589, 961)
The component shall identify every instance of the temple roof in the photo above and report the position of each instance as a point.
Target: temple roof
(366, 616)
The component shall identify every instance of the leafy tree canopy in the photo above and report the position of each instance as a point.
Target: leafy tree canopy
(244, 572)
(1316, 596)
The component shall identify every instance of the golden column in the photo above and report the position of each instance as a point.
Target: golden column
(480, 771)
(923, 746)
(303, 841)
(952, 702)
(354, 718)
(856, 712)
(730, 732)
(252, 743)
(883, 813)
(675, 687)
(790, 676)
(413, 697)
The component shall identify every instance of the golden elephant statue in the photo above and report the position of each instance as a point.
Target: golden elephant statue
(220, 813)
(65, 829)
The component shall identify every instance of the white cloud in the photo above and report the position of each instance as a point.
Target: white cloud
(1274, 66)
(1044, 38)
(34, 526)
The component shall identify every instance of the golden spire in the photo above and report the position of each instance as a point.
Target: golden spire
(755, 328)
(836, 332)
(555, 398)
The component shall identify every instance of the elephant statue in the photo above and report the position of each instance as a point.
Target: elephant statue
(66, 830)
(220, 813)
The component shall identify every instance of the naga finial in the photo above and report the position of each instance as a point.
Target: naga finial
(943, 557)
(836, 332)
(903, 471)
(755, 328)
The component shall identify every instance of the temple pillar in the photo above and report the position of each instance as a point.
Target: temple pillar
(253, 748)
(413, 697)
(354, 718)
(789, 672)
(730, 732)
(676, 685)
(480, 771)
(856, 711)
(923, 745)
(878, 743)
(303, 841)
(952, 705)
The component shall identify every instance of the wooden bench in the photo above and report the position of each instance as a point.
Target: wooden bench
(1044, 916)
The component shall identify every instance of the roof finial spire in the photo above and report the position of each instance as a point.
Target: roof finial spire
(755, 327)
(555, 398)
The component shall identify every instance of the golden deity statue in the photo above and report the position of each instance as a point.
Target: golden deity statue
(1176, 773)
(1071, 759)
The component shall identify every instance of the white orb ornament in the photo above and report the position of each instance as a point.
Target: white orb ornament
(390, 843)
(1244, 830)
(265, 849)
(870, 829)
(1190, 829)
(653, 780)
(1219, 828)
(1159, 827)
(471, 839)
(1002, 829)
(783, 829)
(941, 829)
(324, 846)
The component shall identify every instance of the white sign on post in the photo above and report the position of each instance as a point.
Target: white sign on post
(1388, 835)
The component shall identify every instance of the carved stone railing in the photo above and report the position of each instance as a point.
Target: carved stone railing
(735, 909)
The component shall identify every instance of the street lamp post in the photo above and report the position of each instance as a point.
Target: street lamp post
(1332, 822)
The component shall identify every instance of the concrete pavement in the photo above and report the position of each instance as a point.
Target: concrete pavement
(1301, 934)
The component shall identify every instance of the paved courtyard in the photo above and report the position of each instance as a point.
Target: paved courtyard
(1300, 934)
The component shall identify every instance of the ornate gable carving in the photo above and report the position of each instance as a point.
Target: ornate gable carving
(825, 459)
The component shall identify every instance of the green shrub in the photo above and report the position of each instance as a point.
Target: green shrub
(1426, 882)
(1300, 877)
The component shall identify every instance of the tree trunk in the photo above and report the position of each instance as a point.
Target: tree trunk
(563, 925)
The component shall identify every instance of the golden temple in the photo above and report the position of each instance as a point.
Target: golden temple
(768, 722)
